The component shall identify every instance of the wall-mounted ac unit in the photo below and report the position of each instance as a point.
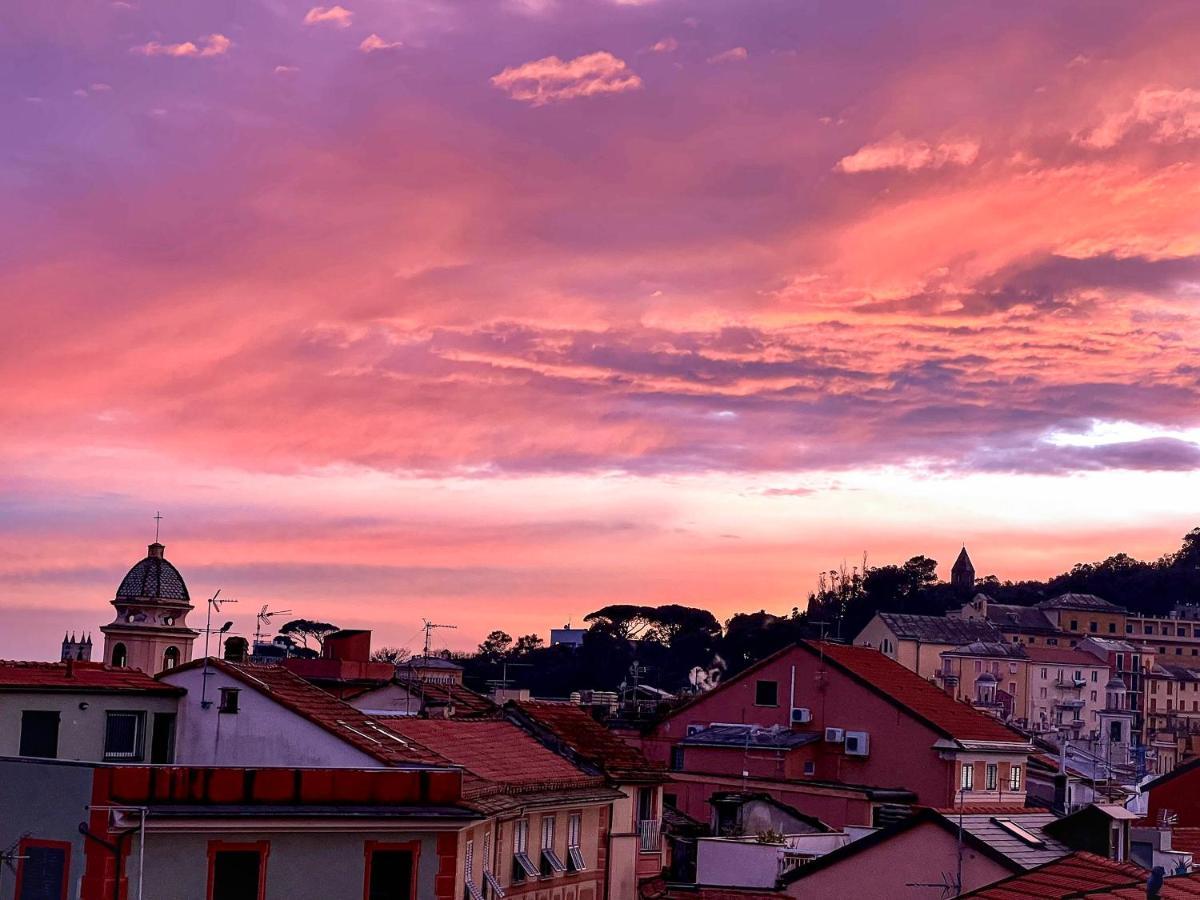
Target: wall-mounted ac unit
(858, 743)
(834, 735)
(694, 729)
(801, 715)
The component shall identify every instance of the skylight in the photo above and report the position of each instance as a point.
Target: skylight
(1018, 832)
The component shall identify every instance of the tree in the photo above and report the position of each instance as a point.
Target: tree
(496, 645)
(526, 644)
(624, 620)
(308, 628)
(394, 655)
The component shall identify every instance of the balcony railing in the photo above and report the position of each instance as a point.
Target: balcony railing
(650, 835)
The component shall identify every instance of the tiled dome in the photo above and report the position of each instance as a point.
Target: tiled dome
(153, 578)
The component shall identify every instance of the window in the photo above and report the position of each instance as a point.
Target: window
(1014, 778)
(391, 871)
(124, 736)
(1180, 631)
(810, 767)
(676, 759)
(1019, 832)
(1095, 674)
(1043, 673)
(120, 656)
(1042, 693)
(766, 693)
(551, 864)
(473, 892)
(1074, 624)
(162, 741)
(1114, 731)
(1128, 629)
(887, 646)
(989, 776)
(491, 886)
(229, 700)
(1093, 696)
(575, 860)
(1112, 627)
(43, 869)
(1179, 651)
(968, 777)
(170, 658)
(523, 866)
(39, 734)
(1092, 626)
(237, 871)
(978, 666)
(645, 804)
(1149, 629)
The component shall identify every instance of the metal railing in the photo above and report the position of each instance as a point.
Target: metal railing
(650, 835)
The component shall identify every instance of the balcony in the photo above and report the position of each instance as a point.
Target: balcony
(1069, 684)
(650, 835)
(1069, 703)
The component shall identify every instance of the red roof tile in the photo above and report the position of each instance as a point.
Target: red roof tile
(590, 741)
(464, 700)
(492, 749)
(78, 676)
(1176, 887)
(1071, 876)
(911, 692)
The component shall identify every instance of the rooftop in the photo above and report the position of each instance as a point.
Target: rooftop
(1071, 876)
(908, 690)
(1063, 656)
(1017, 834)
(1080, 602)
(989, 648)
(938, 629)
(1024, 619)
(589, 740)
(72, 677)
(428, 662)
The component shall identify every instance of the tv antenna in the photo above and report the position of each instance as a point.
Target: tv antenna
(429, 627)
(264, 620)
(214, 605)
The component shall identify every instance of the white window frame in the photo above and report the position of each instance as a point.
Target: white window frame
(575, 860)
(551, 864)
(966, 777)
(523, 867)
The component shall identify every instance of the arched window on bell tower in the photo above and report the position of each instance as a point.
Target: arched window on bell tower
(170, 658)
(120, 656)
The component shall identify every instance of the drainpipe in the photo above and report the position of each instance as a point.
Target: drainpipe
(792, 695)
(112, 847)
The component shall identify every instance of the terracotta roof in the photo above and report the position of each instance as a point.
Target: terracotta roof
(939, 629)
(590, 741)
(911, 692)
(464, 700)
(1063, 656)
(1179, 887)
(78, 676)
(1073, 875)
(493, 749)
(365, 733)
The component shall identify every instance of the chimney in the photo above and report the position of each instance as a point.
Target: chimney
(155, 550)
(70, 668)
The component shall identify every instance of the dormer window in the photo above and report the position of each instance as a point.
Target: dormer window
(229, 700)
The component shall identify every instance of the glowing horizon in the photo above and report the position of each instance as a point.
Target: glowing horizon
(395, 310)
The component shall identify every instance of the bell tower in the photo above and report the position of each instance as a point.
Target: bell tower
(962, 575)
(150, 629)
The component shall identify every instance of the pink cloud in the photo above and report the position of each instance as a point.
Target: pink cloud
(734, 54)
(551, 79)
(212, 45)
(898, 152)
(666, 45)
(1168, 116)
(338, 16)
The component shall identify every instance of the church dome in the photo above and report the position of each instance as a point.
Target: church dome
(153, 579)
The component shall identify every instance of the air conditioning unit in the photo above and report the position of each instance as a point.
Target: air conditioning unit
(858, 743)
(801, 715)
(694, 729)
(834, 735)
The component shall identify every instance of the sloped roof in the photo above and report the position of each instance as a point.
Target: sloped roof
(1064, 656)
(365, 733)
(1071, 876)
(989, 827)
(1176, 887)
(72, 677)
(1080, 602)
(999, 649)
(1026, 619)
(466, 702)
(591, 741)
(939, 629)
(912, 693)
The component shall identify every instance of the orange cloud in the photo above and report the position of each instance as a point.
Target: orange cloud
(212, 45)
(374, 42)
(897, 152)
(334, 15)
(551, 79)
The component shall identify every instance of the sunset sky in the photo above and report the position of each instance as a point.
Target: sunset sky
(497, 311)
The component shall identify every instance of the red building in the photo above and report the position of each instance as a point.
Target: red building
(841, 733)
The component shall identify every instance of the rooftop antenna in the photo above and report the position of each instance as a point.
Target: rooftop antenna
(214, 603)
(429, 626)
(157, 520)
(264, 620)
